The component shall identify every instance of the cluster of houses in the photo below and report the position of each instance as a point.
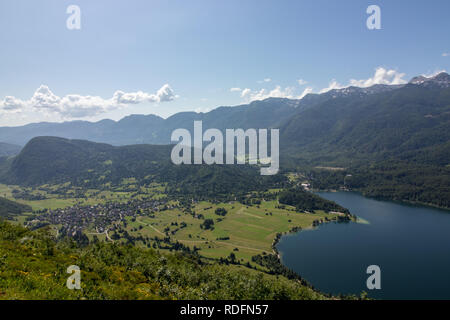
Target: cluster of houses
(99, 217)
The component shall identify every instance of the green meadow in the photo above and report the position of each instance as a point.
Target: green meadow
(245, 230)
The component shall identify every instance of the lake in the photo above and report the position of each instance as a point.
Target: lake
(410, 244)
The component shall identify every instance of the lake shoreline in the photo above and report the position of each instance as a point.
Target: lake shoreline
(404, 239)
(398, 201)
(295, 230)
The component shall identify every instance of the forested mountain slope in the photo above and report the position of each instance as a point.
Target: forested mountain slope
(403, 123)
(89, 164)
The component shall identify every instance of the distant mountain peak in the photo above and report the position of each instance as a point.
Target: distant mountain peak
(355, 91)
(441, 80)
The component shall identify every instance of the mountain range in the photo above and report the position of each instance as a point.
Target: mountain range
(393, 140)
(152, 129)
(408, 122)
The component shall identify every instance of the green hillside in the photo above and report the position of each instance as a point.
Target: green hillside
(375, 127)
(395, 145)
(33, 266)
(307, 201)
(92, 165)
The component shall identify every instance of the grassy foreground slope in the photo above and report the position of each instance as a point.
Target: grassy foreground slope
(33, 266)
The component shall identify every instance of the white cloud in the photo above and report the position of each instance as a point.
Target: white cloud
(245, 92)
(446, 54)
(305, 92)
(78, 106)
(381, 76)
(277, 92)
(165, 94)
(44, 98)
(433, 74)
(332, 86)
(11, 104)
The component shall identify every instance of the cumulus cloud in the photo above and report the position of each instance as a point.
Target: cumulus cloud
(245, 92)
(12, 104)
(332, 86)
(277, 92)
(433, 74)
(305, 92)
(79, 106)
(381, 76)
(446, 54)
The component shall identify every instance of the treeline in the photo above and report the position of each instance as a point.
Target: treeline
(274, 266)
(307, 201)
(391, 180)
(405, 182)
(220, 182)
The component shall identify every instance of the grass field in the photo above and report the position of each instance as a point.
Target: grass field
(250, 229)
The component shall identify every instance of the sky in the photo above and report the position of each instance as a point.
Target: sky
(167, 56)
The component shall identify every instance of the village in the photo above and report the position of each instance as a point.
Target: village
(100, 217)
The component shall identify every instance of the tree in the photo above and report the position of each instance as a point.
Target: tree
(208, 224)
(221, 211)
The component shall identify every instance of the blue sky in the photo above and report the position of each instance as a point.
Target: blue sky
(201, 49)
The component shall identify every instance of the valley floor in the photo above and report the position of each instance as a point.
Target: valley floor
(245, 231)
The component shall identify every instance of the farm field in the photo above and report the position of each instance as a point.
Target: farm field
(245, 230)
